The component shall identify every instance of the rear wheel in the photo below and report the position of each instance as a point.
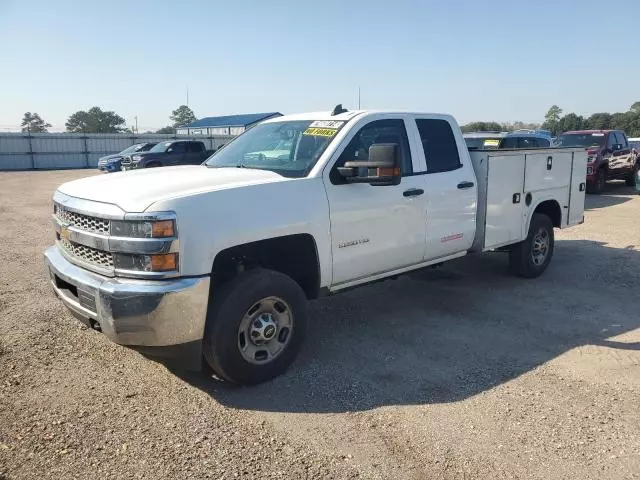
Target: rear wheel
(255, 326)
(531, 257)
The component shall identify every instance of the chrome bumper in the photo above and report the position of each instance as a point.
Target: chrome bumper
(149, 313)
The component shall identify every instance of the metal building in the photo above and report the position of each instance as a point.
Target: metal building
(34, 151)
(227, 125)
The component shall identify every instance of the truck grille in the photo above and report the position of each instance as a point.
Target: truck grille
(83, 222)
(88, 255)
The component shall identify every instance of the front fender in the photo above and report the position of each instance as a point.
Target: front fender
(211, 222)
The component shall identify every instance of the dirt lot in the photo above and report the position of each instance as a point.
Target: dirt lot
(462, 372)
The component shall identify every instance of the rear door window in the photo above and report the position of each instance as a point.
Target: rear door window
(194, 147)
(439, 145)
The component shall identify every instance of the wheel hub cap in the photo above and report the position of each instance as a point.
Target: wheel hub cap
(265, 330)
(540, 247)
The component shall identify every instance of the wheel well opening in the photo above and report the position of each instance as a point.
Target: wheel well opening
(551, 209)
(294, 255)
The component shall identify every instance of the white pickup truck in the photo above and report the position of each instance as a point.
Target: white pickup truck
(216, 262)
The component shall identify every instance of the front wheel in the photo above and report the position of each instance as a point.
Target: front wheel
(255, 326)
(531, 257)
(599, 183)
(630, 181)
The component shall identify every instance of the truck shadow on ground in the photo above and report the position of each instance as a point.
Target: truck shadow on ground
(614, 193)
(445, 335)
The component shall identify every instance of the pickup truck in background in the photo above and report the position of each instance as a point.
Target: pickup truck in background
(483, 140)
(217, 261)
(164, 154)
(609, 156)
(525, 140)
(113, 163)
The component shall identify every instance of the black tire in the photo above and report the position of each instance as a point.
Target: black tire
(227, 308)
(153, 165)
(597, 187)
(521, 255)
(630, 181)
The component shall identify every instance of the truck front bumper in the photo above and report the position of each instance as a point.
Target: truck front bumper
(160, 318)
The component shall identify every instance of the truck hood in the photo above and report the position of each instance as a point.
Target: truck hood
(136, 190)
(110, 158)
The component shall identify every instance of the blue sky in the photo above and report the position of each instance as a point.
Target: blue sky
(501, 60)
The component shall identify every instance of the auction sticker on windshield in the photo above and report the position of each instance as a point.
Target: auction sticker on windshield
(327, 124)
(491, 143)
(320, 132)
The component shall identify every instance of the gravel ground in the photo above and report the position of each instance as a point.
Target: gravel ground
(461, 372)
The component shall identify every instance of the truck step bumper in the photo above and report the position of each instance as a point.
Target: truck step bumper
(135, 313)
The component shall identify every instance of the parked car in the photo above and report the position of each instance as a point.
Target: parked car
(525, 139)
(176, 152)
(609, 156)
(483, 140)
(112, 163)
(218, 260)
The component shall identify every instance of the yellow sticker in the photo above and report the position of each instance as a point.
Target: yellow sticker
(491, 143)
(320, 132)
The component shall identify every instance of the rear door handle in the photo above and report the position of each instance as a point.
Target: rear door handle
(412, 192)
(463, 185)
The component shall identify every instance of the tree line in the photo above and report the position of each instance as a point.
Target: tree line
(628, 121)
(96, 120)
(556, 122)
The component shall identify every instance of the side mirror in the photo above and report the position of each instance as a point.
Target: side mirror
(380, 169)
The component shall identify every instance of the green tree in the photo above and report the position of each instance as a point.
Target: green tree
(552, 118)
(33, 123)
(95, 120)
(166, 130)
(571, 121)
(598, 121)
(482, 127)
(182, 116)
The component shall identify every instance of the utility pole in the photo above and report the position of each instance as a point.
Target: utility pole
(136, 117)
(358, 97)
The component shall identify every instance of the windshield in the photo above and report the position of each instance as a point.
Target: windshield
(161, 147)
(482, 143)
(581, 140)
(290, 149)
(132, 148)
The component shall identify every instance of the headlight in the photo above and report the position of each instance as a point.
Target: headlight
(136, 158)
(589, 170)
(152, 229)
(166, 262)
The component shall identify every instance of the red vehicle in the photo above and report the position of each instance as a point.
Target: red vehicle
(610, 156)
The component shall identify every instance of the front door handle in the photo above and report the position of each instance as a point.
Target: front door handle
(412, 192)
(463, 185)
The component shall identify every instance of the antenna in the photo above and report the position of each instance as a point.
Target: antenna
(338, 110)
